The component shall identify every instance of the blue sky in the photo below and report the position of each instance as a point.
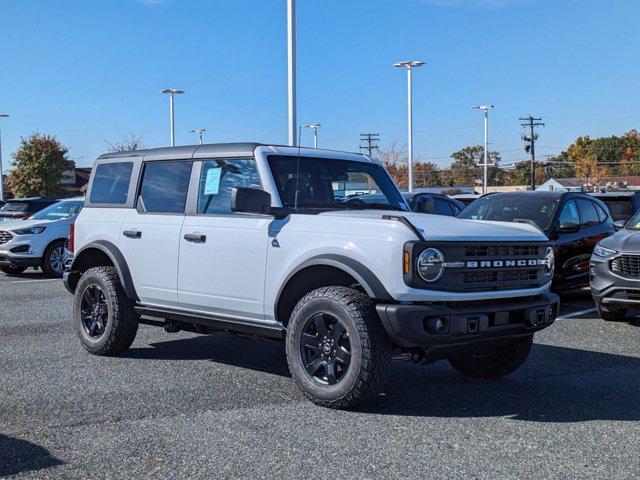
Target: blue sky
(91, 71)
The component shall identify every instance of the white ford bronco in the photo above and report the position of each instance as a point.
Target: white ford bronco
(286, 243)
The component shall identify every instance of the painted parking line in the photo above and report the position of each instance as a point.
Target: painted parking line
(576, 314)
(13, 282)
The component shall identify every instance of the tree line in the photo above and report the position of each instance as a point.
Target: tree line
(588, 159)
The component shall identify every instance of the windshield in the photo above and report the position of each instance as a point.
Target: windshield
(511, 208)
(14, 207)
(59, 211)
(325, 183)
(634, 223)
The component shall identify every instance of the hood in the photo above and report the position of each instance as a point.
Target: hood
(18, 224)
(627, 241)
(440, 227)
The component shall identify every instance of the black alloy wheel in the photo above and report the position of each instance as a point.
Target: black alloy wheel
(94, 311)
(325, 348)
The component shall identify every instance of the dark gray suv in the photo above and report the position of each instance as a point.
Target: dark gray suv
(614, 272)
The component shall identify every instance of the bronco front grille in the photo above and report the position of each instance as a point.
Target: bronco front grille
(627, 266)
(500, 276)
(502, 251)
(5, 237)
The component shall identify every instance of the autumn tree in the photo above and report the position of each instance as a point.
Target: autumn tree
(395, 160)
(37, 166)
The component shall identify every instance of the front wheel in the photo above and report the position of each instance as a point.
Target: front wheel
(337, 349)
(104, 316)
(499, 362)
(52, 259)
(611, 314)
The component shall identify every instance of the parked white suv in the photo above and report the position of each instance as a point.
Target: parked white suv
(39, 240)
(270, 241)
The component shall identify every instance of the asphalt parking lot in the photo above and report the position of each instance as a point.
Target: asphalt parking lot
(182, 405)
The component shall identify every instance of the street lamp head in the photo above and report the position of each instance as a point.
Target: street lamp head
(313, 125)
(172, 91)
(199, 130)
(483, 107)
(4, 115)
(409, 64)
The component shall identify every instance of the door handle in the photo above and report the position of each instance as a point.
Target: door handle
(195, 237)
(132, 233)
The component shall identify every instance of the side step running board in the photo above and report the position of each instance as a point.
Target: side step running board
(214, 322)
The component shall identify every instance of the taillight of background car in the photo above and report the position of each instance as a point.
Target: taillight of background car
(72, 228)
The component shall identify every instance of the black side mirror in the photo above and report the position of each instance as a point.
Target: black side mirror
(619, 224)
(569, 227)
(250, 200)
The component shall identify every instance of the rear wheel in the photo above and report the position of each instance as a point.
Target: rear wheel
(338, 352)
(11, 270)
(497, 363)
(104, 316)
(611, 314)
(52, 259)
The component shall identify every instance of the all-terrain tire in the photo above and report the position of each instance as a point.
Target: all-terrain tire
(370, 346)
(122, 322)
(496, 364)
(11, 270)
(611, 314)
(52, 259)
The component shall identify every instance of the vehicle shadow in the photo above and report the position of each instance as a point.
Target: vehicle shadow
(18, 456)
(255, 354)
(556, 384)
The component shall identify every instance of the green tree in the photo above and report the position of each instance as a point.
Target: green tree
(466, 169)
(37, 166)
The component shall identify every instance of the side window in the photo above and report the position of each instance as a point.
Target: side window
(588, 212)
(569, 213)
(111, 183)
(602, 213)
(219, 177)
(442, 207)
(164, 187)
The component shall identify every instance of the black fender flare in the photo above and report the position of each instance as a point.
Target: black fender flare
(118, 261)
(365, 277)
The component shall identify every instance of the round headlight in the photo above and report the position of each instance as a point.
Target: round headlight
(549, 261)
(430, 264)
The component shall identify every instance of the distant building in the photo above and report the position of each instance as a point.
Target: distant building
(611, 184)
(74, 182)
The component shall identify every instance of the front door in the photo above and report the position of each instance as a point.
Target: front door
(150, 236)
(222, 253)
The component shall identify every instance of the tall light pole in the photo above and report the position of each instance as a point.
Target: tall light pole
(291, 69)
(409, 65)
(171, 92)
(199, 132)
(315, 127)
(485, 178)
(2, 115)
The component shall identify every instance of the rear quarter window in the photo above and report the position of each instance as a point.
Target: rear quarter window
(111, 183)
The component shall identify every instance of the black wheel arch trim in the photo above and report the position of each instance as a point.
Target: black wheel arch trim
(118, 261)
(365, 277)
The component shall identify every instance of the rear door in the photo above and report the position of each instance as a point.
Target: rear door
(150, 234)
(223, 254)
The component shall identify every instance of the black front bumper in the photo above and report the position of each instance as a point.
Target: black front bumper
(463, 323)
(18, 261)
(610, 289)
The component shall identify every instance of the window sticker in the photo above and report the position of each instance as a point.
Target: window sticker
(212, 182)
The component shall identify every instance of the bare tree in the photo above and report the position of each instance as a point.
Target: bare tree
(128, 142)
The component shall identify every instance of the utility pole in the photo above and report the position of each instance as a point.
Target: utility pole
(485, 165)
(369, 142)
(530, 143)
(2, 115)
(291, 69)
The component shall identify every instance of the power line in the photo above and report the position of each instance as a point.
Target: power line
(369, 142)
